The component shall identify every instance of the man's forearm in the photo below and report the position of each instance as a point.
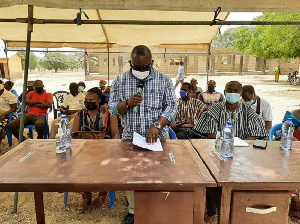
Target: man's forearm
(122, 107)
(44, 105)
(32, 102)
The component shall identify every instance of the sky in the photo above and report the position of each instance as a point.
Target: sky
(233, 16)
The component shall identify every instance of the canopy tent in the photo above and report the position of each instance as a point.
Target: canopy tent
(169, 5)
(97, 35)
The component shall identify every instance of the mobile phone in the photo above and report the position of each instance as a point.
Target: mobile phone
(261, 144)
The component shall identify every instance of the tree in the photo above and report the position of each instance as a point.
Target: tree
(56, 61)
(224, 40)
(272, 41)
(33, 61)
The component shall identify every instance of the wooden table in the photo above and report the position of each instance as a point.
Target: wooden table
(251, 169)
(102, 165)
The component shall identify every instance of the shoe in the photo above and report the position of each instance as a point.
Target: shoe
(100, 199)
(86, 201)
(129, 219)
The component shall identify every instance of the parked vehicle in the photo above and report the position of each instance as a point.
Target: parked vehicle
(293, 79)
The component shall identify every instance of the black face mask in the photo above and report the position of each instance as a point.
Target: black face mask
(39, 90)
(211, 89)
(90, 105)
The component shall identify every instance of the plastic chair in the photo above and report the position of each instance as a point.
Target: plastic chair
(112, 198)
(172, 133)
(273, 131)
(59, 96)
(7, 132)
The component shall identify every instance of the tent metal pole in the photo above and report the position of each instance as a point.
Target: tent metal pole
(145, 22)
(5, 50)
(108, 70)
(21, 130)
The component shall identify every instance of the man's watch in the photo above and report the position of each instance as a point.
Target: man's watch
(157, 125)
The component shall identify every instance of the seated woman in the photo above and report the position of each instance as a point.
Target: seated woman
(295, 115)
(96, 117)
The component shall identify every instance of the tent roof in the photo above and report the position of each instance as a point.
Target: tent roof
(93, 35)
(170, 5)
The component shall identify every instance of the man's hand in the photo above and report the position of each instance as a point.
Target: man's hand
(135, 100)
(152, 135)
(173, 126)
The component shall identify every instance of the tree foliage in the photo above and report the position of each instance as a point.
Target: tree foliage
(33, 61)
(269, 41)
(56, 61)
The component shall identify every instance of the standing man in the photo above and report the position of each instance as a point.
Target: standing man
(195, 91)
(156, 107)
(277, 73)
(211, 97)
(261, 106)
(180, 74)
(38, 102)
(8, 104)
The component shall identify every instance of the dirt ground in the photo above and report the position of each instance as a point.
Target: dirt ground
(282, 97)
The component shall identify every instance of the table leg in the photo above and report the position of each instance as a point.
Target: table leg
(199, 205)
(225, 204)
(39, 207)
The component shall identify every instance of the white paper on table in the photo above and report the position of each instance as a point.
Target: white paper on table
(239, 142)
(140, 141)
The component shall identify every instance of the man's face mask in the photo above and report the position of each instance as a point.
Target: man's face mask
(250, 102)
(140, 72)
(80, 88)
(1, 86)
(39, 89)
(90, 105)
(183, 94)
(232, 98)
(211, 89)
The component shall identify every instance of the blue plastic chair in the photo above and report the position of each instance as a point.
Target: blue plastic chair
(273, 131)
(172, 134)
(7, 132)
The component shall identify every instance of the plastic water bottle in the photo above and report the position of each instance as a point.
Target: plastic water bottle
(287, 132)
(60, 140)
(227, 147)
(66, 127)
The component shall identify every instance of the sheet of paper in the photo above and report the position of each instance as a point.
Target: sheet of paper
(140, 141)
(239, 142)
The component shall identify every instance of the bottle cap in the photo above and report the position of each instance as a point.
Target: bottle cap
(229, 123)
(63, 116)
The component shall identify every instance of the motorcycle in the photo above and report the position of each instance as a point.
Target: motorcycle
(293, 79)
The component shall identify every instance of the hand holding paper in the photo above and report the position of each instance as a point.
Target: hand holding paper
(140, 141)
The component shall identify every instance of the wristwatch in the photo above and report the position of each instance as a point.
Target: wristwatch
(157, 125)
(127, 105)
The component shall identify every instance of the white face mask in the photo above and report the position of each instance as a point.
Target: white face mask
(81, 88)
(250, 102)
(1, 86)
(140, 75)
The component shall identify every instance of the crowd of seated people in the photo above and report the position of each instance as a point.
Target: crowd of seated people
(200, 114)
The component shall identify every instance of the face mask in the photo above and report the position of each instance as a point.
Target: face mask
(250, 102)
(211, 89)
(106, 97)
(232, 98)
(1, 86)
(81, 88)
(140, 75)
(90, 105)
(39, 89)
(183, 94)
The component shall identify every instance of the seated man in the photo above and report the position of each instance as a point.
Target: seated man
(211, 97)
(195, 91)
(8, 104)
(247, 125)
(9, 85)
(81, 87)
(189, 110)
(261, 106)
(73, 103)
(30, 88)
(38, 102)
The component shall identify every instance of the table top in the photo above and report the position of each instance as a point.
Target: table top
(102, 165)
(251, 165)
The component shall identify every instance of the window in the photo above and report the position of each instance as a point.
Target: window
(224, 60)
